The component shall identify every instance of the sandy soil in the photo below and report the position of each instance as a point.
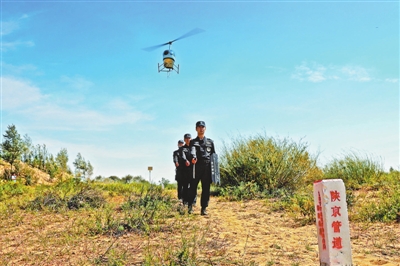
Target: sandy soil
(267, 237)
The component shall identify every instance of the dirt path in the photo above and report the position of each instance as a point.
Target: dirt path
(258, 235)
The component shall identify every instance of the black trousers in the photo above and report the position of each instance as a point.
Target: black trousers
(203, 174)
(179, 180)
(187, 176)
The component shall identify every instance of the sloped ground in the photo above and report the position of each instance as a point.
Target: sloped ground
(38, 176)
(234, 233)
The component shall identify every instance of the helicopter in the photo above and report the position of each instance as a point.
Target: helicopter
(168, 63)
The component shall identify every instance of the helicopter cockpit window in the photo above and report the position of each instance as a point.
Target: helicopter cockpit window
(166, 52)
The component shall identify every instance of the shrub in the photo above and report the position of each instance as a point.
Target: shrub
(301, 206)
(49, 200)
(141, 214)
(148, 209)
(87, 197)
(122, 188)
(384, 207)
(11, 189)
(354, 170)
(244, 191)
(382, 203)
(270, 163)
(27, 174)
(72, 194)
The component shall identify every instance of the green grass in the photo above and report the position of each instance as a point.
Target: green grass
(268, 162)
(355, 170)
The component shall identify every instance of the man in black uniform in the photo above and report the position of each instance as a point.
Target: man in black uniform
(178, 168)
(187, 171)
(201, 149)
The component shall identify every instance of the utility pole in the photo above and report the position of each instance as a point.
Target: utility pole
(150, 168)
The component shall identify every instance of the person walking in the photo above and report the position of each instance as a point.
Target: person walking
(178, 169)
(187, 173)
(201, 149)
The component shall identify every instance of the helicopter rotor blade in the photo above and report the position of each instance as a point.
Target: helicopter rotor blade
(190, 33)
(151, 48)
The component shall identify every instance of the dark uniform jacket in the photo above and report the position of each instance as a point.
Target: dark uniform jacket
(202, 149)
(175, 157)
(185, 153)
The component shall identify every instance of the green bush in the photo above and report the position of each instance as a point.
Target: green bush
(244, 191)
(270, 163)
(142, 213)
(71, 194)
(87, 197)
(49, 200)
(383, 201)
(385, 207)
(121, 188)
(10, 189)
(355, 170)
(146, 211)
(69, 187)
(300, 206)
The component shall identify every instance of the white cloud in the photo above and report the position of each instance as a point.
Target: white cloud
(18, 93)
(12, 25)
(6, 46)
(9, 27)
(314, 72)
(356, 73)
(24, 16)
(77, 82)
(18, 70)
(80, 118)
(24, 99)
(392, 80)
(119, 104)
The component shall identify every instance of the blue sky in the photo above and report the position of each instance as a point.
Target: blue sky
(74, 76)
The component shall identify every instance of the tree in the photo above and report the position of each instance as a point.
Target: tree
(80, 166)
(127, 179)
(51, 166)
(139, 179)
(12, 146)
(62, 160)
(114, 178)
(89, 169)
(39, 157)
(27, 151)
(164, 182)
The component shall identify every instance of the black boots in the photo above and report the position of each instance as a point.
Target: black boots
(203, 210)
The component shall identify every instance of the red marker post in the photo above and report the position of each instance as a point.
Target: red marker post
(332, 223)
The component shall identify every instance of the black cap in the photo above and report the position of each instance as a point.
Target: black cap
(200, 124)
(180, 141)
(187, 136)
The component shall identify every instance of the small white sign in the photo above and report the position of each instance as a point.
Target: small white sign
(332, 223)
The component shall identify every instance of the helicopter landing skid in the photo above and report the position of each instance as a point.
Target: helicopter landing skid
(162, 68)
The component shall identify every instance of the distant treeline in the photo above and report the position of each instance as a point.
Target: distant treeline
(16, 149)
